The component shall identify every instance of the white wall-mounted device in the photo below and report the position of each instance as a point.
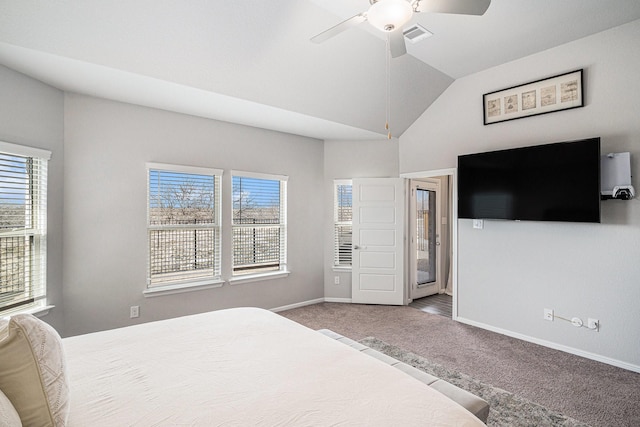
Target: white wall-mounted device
(615, 176)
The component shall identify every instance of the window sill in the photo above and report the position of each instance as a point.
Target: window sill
(38, 311)
(238, 280)
(157, 291)
(341, 268)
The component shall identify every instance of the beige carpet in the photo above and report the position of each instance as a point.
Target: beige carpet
(589, 391)
(506, 409)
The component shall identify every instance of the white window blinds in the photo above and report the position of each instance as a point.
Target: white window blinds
(183, 224)
(342, 211)
(23, 227)
(259, 223)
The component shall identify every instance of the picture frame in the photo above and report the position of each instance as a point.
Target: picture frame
(557, 93)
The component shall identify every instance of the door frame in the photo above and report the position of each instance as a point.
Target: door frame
(453, 174)
(416, 290)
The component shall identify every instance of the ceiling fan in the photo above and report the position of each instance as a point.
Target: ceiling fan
(390, 15)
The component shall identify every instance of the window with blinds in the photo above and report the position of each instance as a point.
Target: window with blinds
(23, 227)
(183, 224)
(259, 224)
(342, 211)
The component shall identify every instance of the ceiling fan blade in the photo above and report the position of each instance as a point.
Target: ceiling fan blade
(337, 29)
(462, 7)
(396, 43)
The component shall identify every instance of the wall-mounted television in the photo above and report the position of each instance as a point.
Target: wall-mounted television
(549, 182)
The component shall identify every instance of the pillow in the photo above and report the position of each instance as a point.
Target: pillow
(32, 371)
(8, 415)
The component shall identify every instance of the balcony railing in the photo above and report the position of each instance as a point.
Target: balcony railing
(184, 253)
(14, 260)
(256, 248)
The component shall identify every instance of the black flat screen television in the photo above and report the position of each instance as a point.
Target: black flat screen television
(549, 182)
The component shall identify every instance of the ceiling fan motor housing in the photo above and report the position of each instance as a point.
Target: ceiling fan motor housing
(388, 15)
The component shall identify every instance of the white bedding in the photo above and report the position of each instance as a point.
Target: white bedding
(241, 367)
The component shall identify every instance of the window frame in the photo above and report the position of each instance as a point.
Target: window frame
(187, 284)
(337, 265)
(283, 270)
(33, 298)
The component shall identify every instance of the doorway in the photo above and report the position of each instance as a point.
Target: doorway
(425, 229)
(431, 262)
(381, 261)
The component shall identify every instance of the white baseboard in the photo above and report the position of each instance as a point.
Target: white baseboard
(555, 346)
(343, 300)
(298, 304)
(310, 302)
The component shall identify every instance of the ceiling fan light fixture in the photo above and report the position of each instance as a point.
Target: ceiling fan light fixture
(388, 15)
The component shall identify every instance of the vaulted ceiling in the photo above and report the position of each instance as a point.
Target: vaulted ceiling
(251, 61)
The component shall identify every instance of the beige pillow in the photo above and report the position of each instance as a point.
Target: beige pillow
(32, 371)
(8, 415)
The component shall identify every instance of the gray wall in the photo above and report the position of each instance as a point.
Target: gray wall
(31, 114)
(347, 160)
(510, 271)
(106, 146)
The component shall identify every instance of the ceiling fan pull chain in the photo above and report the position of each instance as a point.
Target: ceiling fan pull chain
(388, 83)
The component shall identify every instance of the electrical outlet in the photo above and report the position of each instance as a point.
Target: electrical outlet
(134, 311)
(336, 280)
(548, 314)
(593, 324)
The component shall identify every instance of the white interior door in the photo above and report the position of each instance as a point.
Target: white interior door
(378, 239)
(425, 219)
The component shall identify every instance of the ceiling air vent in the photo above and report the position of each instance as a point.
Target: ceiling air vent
(416, 32)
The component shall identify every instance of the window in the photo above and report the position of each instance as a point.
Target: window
(23, 227)
(342, 209)
(183, 224)
(259, 223)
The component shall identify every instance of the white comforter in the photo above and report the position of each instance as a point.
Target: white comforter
(241, 367)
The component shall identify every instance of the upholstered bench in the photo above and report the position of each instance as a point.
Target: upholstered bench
(472, 403)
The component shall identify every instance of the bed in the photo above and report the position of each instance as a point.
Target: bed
(239, 367)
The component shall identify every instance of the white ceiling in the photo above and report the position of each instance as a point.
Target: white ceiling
(510, 29)
(251, 61)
